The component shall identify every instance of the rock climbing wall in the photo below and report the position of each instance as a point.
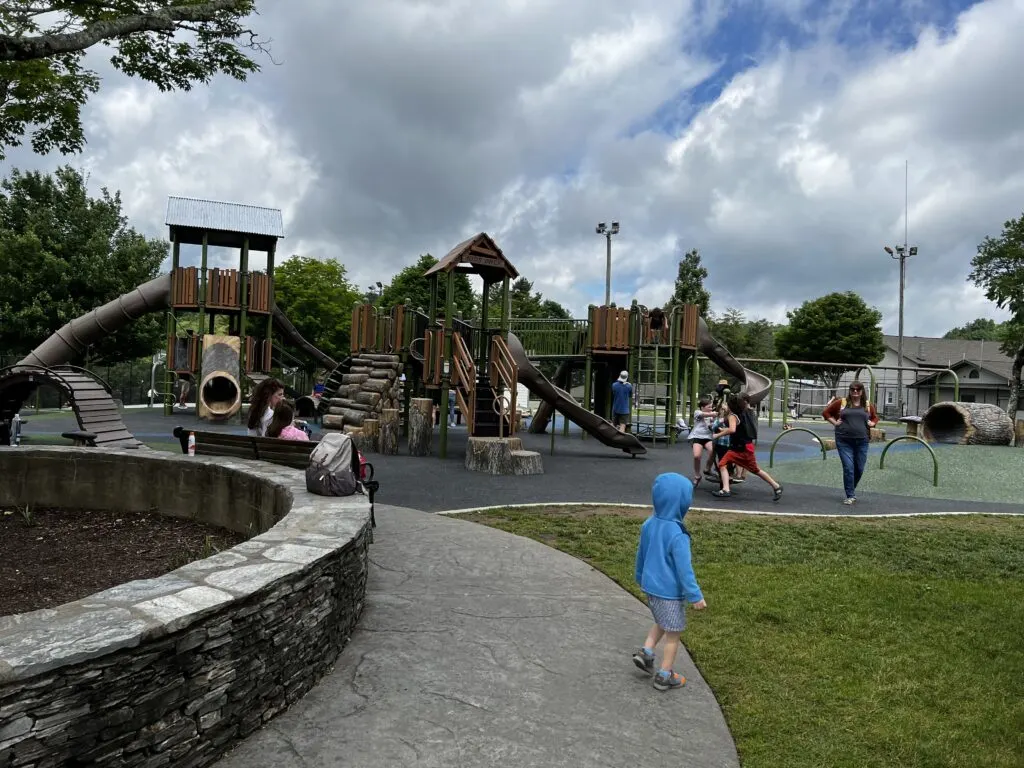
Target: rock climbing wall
(371, 385)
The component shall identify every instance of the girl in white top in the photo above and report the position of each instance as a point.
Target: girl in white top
(267, 395)
(701, 435)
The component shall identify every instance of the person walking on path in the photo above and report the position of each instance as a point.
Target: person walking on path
(700, 435)
(622, 402)
(741, 451)
(853, 417)
(664, 572)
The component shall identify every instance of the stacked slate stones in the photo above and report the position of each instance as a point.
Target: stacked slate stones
(371, 385)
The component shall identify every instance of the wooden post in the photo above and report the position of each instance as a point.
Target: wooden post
(421, 425)
(371, 435)
(389, 428)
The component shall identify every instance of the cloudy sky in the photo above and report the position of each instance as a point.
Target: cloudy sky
(770, 134)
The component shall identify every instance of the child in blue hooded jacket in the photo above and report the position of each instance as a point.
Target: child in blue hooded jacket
(665, 574)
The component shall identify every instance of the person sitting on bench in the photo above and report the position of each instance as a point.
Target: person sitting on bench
(282, 426)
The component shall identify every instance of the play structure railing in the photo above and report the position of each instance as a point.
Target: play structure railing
(504, 374)
(433, 356)
(464, 379)
(551, 337)
(221, 289)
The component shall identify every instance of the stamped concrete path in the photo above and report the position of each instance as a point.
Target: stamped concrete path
(480, 648)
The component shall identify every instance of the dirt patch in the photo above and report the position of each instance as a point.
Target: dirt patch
(51, 557)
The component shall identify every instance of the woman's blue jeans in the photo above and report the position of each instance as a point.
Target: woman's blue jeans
(854, 455)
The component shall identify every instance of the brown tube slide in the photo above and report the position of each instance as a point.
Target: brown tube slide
(72, 340)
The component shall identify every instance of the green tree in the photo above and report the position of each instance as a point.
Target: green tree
(411, 286)
(689, 288)
(998, 269)
(526, 303)
(170, 43)
(837, 328)
(63, 253)
(980, 329)
(318, 299)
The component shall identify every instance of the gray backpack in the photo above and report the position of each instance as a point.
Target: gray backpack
(333, 466)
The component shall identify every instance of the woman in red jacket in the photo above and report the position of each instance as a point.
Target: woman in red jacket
(853, 417)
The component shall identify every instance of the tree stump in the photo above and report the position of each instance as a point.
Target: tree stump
(502, 456)
(967, 424)
(371, 434)
(389, 428)
(1019, 432)
(421, 425)
(333, 421)
(527, 463)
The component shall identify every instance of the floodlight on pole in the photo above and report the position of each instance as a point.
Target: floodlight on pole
(603, 229)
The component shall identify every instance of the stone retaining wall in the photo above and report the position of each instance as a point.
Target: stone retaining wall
(171, 671)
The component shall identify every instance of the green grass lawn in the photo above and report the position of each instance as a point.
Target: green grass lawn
(966, 472)
(841, 643)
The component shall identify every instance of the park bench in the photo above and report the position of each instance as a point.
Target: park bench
(288, 453)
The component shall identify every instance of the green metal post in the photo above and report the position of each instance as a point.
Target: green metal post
(483, 351)
(785, 393)
(271, 299)
(446, 375)
(588, 373)
(172, 326)
(506, 309)
(694, 385)
(673, 378)
(243, 317)
(771, 394)
(202, 290)
(433, 298)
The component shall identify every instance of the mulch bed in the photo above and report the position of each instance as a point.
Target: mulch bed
(53, 556)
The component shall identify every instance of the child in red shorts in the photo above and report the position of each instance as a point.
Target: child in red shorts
(741, 450)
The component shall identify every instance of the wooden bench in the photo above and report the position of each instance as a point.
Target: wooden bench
(288, 453)
(913, 424)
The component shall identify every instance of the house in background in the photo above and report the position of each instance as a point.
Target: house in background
(983, 370)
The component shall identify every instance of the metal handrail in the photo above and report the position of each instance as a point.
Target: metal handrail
(915, 438)
(783, 433)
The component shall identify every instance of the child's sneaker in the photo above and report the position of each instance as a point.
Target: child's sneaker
(644, 659)
(665, 680)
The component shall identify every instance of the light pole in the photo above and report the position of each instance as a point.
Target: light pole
(608, 232)
(902, 253)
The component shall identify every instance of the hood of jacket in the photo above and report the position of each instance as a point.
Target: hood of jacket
(672, 495)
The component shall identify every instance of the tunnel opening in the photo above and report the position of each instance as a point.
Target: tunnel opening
(221, 396)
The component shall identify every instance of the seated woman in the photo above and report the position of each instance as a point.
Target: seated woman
(265, 398)
(281, 425)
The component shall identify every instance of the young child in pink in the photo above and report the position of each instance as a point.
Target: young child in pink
(282, 426)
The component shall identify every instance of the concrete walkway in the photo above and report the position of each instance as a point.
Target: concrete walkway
(479, 648)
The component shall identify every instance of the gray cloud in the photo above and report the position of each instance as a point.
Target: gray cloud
(393, 128)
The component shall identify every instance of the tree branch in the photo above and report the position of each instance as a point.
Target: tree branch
(13, 48)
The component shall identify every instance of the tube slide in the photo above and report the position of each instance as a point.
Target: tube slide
(289, 332)
(72, 340)
(754, 384)
(565, 404)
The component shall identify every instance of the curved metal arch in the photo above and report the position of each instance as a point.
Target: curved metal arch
(916, 439)
(815, 435)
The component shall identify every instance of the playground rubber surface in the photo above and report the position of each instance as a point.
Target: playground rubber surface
(586, 471)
